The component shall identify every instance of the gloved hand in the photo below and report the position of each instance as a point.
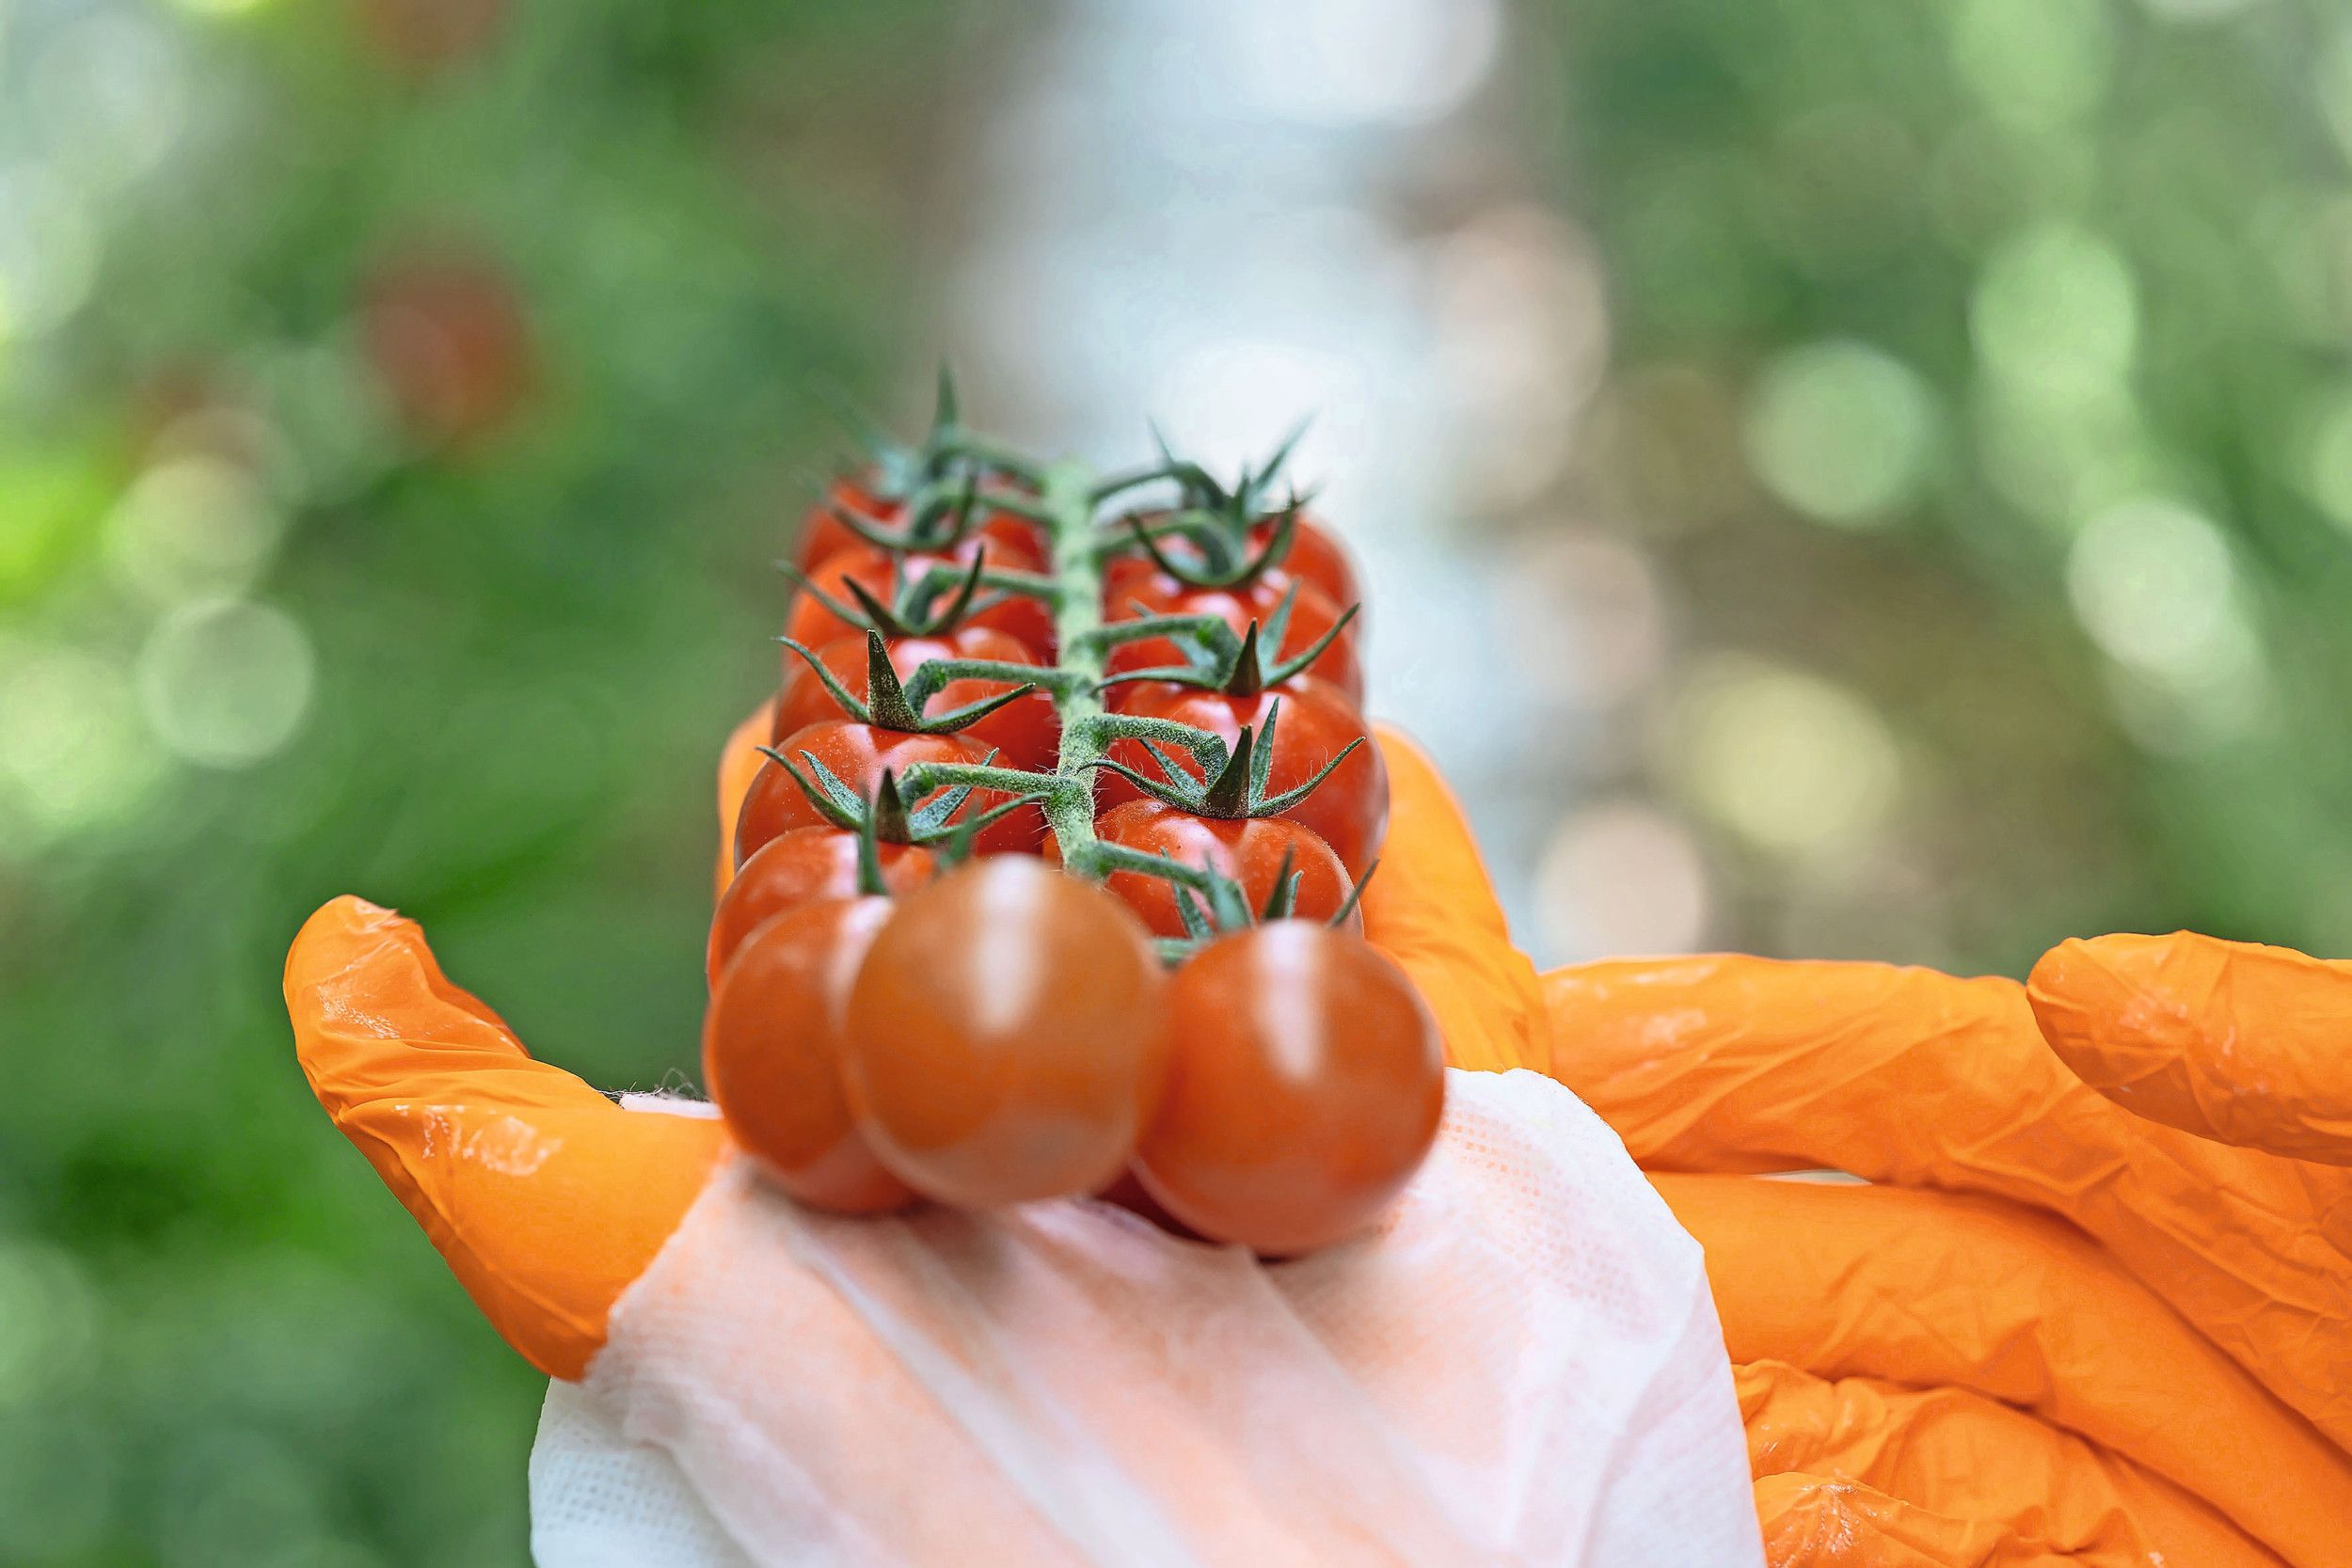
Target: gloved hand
(1939, 1368)
(781, 1356)
(547, 1198)
(2093, 1315)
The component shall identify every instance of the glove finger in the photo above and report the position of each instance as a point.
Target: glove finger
(545, 1197)
(1858, 1470)
(1432, 908)
(739, 761)
(1916, 1079)
(2230, 1040)
(1930, 1290)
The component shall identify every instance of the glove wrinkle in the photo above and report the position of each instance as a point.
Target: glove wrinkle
(1906, 1077)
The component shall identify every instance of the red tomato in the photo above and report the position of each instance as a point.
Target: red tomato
(1306, 1081)
(811, 623)
(1004, 1035)
(1024, 732)
(1316, 556)
(798, 867)
(1129, 583)
(771, 1056)
(1313, 555)
(1250, 851)
(1350, 809)
(447, 335)
(824, 535)
(857, 754)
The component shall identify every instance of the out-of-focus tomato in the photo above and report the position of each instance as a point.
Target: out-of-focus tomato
(1250, 851)
(881, 575)
(1130, 583)
(1004, 1035)
(771, 1056)
(857, 754)
(1316, 556)
(823, 534)
(1350, 809)
(447, 335)
(1023, 733)
(802, 866)
(1305, 1085)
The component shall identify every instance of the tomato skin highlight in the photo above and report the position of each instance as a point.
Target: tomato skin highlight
(1005, 1040)
(1026, 732)
(771, 1056)
(801, 865)
(1349, 810)
(856, 754)
(881, 574)
(1305, 1085)
(1249, 850)
(1131, 583)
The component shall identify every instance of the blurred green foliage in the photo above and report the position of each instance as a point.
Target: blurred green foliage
(468, 576)
(1988, 358)
(397, 399)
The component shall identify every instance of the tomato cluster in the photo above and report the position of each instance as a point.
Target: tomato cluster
(1049, 884)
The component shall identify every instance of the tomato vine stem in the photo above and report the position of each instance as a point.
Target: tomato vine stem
(1069, 494)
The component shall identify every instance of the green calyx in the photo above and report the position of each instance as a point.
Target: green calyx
(888, 817)
(887, 704)
(1216, 520)
(1225, 561)
(1209, 903)
(1238, 666)
(1237, 789)
(947, 453)
(915, 606)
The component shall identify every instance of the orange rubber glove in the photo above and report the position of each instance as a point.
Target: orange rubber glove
(2132, 1337)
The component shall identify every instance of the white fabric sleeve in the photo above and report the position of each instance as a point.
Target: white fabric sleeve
(1522, 1367)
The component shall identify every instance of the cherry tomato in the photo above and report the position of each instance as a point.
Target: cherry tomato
(875, 570)
(1316, 556)
(1313, 555)
(1004, 1035)
(1250, 851)
(856, 754)
(1350, 809)
(1306, 1081)
(1129, 583)
(447, 334)
(771, 1056)
(1023, 733)
(796, 868)
(824, 534)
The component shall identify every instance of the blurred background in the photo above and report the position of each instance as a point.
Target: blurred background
(1836, 479)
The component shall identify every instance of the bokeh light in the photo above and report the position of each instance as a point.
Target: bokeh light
(1621, 877)
(1795, 765)
(1841, 431)
(2034, 61)
(72, 754)
(225, 682)
(2157, 588)
(193, 526)
(1339, 62)
(2057, 309)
